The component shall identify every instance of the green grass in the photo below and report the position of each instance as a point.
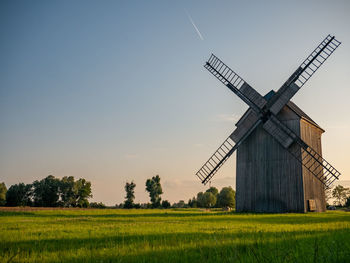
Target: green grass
(172, 236)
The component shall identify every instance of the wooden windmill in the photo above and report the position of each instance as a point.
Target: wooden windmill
(280, 167)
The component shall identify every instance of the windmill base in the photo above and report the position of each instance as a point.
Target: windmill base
(270, 180)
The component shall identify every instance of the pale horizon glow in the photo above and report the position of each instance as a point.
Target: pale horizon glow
(116, 91)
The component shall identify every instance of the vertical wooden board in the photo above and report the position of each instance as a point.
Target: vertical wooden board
(269, 179)
(313, 188)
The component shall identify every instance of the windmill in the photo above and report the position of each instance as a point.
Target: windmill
(280, 167)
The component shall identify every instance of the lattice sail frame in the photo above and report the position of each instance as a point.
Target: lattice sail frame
(308, 157)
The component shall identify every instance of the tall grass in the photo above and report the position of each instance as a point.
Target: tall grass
(77, 235)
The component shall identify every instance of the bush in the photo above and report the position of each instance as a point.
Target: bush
(137, 206)
(165, 204)
(97, 205)
(192, 202)
(146, 205)
(3, 191)
(19, 195)
(206, 199)
(227, 197)
(347, 203)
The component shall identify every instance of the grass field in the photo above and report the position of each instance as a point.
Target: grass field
(78, 235)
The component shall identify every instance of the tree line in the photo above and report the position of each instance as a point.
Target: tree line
(48, 192)
(68, 192)
(209, 199)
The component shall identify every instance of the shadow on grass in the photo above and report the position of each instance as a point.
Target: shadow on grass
(307, 249)
(299, 246)
(170, 239)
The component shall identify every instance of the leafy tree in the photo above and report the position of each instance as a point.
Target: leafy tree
(3, 191)
(19, 195)
(340, 194)
(213, 190)
(137, 206)
(68, 193)
(74, 193)
(146, 205)
(347, 203)
(192, 202)
(50, 192)
(227, 197)
(46, 192)
(130, 196)
(180, 204)
(206, 199)
(121, 205)
(165, 204)
(154, 188)
(83, 192)
(200, 199)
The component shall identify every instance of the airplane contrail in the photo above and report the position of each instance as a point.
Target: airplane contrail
(194, 25)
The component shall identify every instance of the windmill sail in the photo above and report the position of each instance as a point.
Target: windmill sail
(226, 149)
(235, 83)
(309, 66)
(263, 111)
(208, 170)
(307, 156)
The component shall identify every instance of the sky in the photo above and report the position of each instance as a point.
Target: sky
(114, 91)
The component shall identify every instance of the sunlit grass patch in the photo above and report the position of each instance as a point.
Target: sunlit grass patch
(182, 235)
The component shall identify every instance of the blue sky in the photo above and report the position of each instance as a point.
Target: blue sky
(114, 91)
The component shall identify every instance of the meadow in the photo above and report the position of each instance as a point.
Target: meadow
(187, 235)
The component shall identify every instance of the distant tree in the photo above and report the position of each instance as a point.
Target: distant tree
(83, 190)
(154, 188)
(165, 204)
(214, 191)
(130, 196)
(200, 200)
(226, 197)
(68, 192)
(206, 199)
(328, 194)
(97, 205)
(46, 192)
(19, 195)
(137, 206)
(209, 199)
(180, 204)
(192, 202)
(74, 193)
(347, 202)
(3, 191)
(121, 205)
(146, 205)
(340, 193)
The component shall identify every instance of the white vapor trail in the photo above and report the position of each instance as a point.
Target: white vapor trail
(194, 25)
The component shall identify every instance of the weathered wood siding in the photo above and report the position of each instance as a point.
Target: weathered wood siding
(313, 188)
(268, 178)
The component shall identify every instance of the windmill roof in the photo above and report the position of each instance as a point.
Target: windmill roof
(292, 106)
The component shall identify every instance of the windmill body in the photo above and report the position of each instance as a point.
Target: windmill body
(280, 167)
(268, 178)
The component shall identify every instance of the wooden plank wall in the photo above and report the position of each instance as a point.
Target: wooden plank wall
(313, 188)
(268, 178)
